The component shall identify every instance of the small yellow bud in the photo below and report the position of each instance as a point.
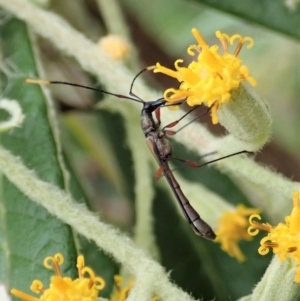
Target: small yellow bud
(114, 46)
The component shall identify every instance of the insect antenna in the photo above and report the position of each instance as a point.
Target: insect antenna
(50, 82)
(133, 81)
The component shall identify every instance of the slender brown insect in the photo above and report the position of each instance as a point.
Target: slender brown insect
(161, 149)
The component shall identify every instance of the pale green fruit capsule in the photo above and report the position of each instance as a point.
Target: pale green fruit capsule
(247, 117)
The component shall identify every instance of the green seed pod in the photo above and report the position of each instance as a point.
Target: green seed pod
(247, 117)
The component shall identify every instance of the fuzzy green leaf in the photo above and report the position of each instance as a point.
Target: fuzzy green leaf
(28, 233)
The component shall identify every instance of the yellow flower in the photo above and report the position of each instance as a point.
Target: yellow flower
(210, 79)
(115, 46)
(232, 227)
(284, 239)
(64, 288)
(120, 293)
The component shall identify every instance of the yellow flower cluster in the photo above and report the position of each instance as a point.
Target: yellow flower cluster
(64, 288)
(284, 239)
(210, 79)
(232, 227)
(81, 289)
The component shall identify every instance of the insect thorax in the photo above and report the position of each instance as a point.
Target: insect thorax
(164, 148)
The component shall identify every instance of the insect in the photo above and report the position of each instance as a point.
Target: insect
(161, 149)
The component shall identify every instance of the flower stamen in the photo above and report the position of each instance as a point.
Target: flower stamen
(199, 38)
(80, 265)
(222, 38)
(37, 287)
(54, 263)
(23, 295)
(255, 226)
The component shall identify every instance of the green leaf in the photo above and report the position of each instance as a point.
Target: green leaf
(28, 233)
(273, 14)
